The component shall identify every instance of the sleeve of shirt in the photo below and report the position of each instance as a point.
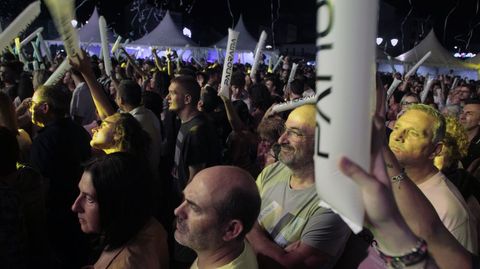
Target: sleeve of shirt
(197, 146)
(41, 156)
(326, 231)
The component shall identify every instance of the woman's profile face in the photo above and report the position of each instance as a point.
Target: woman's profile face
(103, 135)
(86, 205)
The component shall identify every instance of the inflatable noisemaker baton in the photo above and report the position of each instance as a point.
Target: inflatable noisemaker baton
(417, 65)
(344, 130)
(277, 63)
(228, 63)
(36, 52)
(292, 104)
(19, 51)
(124, 45)
(269, 70)
(393, 87)
(426, 88)
(59, 73)
(258, 53)
(218, 53)
(30, 37)
(63, 13)
(455, 83)
(44, 46)
(107, 62)
(35, 66)
(116, 45)
(19, 24)
(169, 69)
(291, 77)
(17, 46)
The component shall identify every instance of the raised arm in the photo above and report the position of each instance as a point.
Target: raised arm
(233, 118)
(296, 255)
(133, 64)
(415, 209)
(156, 59)
(82, 63)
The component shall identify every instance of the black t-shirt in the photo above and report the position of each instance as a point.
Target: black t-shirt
(473, 152)
(57, 153)
(197, 143)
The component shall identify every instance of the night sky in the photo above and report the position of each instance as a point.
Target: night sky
(456, 22)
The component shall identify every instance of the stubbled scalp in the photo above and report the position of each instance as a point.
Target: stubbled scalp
(305, 113)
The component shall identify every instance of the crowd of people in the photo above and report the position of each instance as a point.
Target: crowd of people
(148, 167)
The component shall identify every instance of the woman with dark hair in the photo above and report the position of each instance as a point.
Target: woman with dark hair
(261, 100)
(114, 203)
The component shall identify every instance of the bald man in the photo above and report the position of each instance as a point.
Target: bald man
(292, 230)
(221, 205)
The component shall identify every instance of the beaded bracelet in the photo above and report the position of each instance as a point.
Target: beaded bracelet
(418, 254)
(398, 178)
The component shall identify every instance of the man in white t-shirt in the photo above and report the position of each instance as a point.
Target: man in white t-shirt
(415, 140)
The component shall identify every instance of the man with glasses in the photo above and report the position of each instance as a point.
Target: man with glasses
(293, 231)
(57, 152)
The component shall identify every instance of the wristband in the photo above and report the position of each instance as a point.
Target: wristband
(398, 178)
(417, 254)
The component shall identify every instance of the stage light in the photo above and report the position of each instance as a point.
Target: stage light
(187, 32)
(74, 23)
(394, 41)
(379, 40)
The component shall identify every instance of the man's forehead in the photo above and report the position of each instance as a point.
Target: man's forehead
(416, 118)
(197, 192)
(471, 107)
(301, 118)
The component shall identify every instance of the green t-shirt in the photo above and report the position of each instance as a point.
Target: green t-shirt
(290, 215)
(247, 259)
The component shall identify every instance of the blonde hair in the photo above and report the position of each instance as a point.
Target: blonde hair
(455, 143)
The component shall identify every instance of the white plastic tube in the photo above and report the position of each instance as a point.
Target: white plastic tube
(228, 63)
(63, 12)
(59, 73)
(345, 80)
(418, 64)
(107, 61)
(289, 105)
(426, 88)
(393, 87)
(280, 60)
(258, 53)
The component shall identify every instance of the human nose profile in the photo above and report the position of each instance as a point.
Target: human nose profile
(76, 207)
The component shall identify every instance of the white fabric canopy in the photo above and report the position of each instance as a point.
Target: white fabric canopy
(440, 56)
(166, 35)
(245, 40)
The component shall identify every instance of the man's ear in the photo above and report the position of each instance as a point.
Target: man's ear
(187, 98)
(45, 108)
(437, 150)
(232, 230)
